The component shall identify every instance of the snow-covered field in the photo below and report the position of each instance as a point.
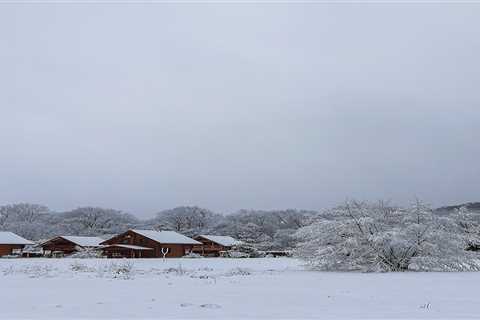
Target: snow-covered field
(225, 289)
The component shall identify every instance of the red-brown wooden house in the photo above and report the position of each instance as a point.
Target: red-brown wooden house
(212, 245)
(11, 243)
(65, 245)
(148, 244)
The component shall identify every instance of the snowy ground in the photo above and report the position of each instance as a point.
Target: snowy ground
(225, 289)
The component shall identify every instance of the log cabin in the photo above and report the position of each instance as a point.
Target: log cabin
(212, 246)
(148, 244)
(11, 243)
(66, 245)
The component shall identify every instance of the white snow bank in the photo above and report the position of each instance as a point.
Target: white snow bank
(225, 289)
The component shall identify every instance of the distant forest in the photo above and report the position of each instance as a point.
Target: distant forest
(266, 229)
(353, 236)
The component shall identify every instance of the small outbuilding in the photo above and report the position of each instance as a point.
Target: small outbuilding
(212, 246)
(11, 243)
(148, 244)
(66, 245)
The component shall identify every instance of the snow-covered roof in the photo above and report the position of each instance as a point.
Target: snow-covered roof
(7, 237)
(107, 236)
(84, 241)
(128, 246)
(225, 241)
(168, 237)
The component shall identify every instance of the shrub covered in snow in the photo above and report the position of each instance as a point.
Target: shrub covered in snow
(238, 272)
(118, 270)
(193, 255)
(244, 251)
(86, 254)
(468, 223)
(236, 254)
(178, 271)
(79, 267)
(379, 237)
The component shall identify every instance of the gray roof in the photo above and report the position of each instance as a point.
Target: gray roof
(168, 237)
(127, 246)
(7, 237)
(80, 241)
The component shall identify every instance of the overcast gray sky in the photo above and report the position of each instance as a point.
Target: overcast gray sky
(229, 106)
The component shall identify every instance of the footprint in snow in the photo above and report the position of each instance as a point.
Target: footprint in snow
(211, 306)
(184, 305)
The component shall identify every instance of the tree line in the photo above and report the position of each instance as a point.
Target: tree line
(266, 229)
(354, 236)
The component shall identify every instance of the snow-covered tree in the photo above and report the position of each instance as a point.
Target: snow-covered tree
(468, 223)
(28, 220)
(261, 228)
(284, 239)
(190, 220)
(5, 214)
(378, 237)
(92, 221)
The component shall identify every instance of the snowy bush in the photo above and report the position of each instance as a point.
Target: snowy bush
(79, 267)
(178, 271)
(39, 271)
(468, 223)
(378, 237)
(244, 251)
(193, 255)
(86, 254)
(238, 272)
(236, 254)
(117, 270)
